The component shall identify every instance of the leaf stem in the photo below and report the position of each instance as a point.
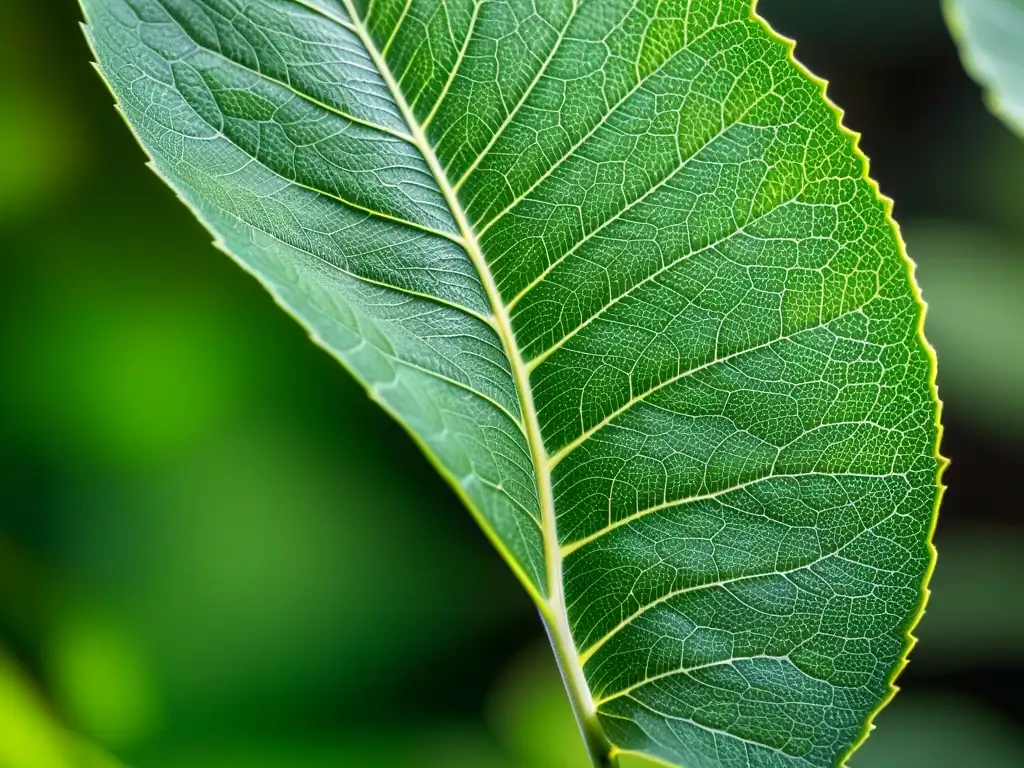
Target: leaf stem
(599, 748)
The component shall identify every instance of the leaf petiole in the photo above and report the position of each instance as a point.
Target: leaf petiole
(599, 748)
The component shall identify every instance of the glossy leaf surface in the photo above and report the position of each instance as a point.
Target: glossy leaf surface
(991, 38)
(617, 268)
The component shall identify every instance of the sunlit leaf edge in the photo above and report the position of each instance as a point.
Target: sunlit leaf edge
(910, 640)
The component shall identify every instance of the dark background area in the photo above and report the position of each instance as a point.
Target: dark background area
(214, 550)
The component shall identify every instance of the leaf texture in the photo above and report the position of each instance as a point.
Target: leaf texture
(618, 269)
(991, 38)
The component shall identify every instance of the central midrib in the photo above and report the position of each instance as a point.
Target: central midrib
(553, 610)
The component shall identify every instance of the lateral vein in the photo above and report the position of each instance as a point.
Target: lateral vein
(289, 87)
(559, 455)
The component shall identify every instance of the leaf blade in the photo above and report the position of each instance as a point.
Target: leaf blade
(689, 422)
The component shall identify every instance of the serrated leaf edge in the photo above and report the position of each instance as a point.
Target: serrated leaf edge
(941, 462)
(602, 752)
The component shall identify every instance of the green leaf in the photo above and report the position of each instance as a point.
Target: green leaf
(990, 34)
(620, 272)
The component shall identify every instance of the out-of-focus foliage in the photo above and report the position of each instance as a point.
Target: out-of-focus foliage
(30, 737)
(940, 732)
(991, 36)
(440, 747)
(910, 29)
(974, 620)
(39, 156)
(183, 476)
(996, 166)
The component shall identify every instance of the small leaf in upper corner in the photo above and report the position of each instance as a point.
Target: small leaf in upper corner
(991, 38)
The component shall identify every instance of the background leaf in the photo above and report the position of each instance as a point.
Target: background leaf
(991, 37)
(29, 735)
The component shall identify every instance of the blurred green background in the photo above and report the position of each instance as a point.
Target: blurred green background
(214, 551)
